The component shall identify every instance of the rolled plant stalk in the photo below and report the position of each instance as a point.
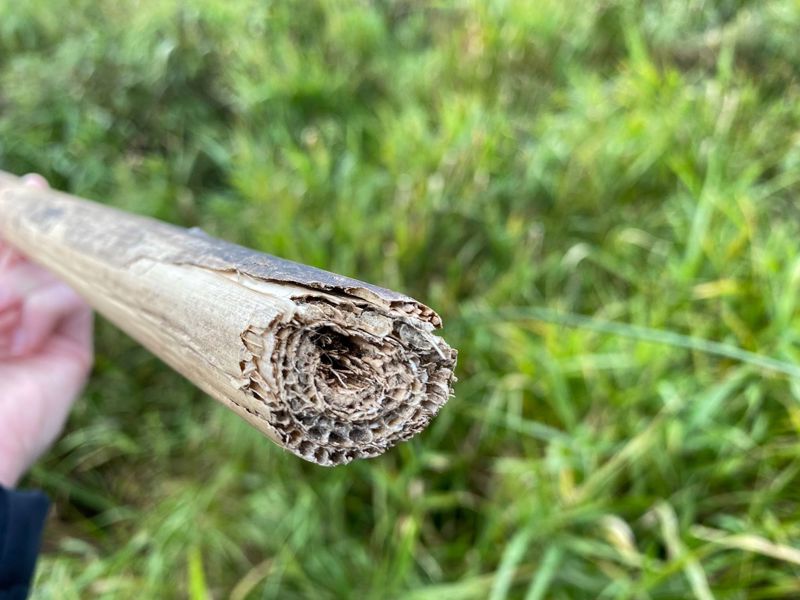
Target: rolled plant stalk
(330, 368)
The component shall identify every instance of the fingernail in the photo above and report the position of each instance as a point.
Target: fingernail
(18, 342)
(34, 180)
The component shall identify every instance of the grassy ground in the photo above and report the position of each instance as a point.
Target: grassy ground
(599, 197)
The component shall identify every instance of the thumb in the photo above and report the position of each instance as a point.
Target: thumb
(42, 313)
(8, 255)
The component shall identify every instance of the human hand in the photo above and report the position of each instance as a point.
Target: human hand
(46, 353)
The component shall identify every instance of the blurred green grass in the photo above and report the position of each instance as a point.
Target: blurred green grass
(599, 197)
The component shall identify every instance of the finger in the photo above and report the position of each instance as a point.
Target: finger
(42, 313)
(25, 279)
(9, 319)
(35, 180)
(9, 322)
(9, 297)
(8, 255)
(78, 329)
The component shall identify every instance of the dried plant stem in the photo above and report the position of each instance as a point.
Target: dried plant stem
(330, 368)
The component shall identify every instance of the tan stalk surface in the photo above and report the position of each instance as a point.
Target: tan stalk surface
(330, 368)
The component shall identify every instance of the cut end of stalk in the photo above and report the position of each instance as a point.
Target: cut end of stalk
(348, 381)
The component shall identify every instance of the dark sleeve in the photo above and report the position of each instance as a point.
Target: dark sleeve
(22, 517)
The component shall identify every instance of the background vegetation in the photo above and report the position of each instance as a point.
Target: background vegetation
(599, 197)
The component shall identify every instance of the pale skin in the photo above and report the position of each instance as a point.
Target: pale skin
(46, 353)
